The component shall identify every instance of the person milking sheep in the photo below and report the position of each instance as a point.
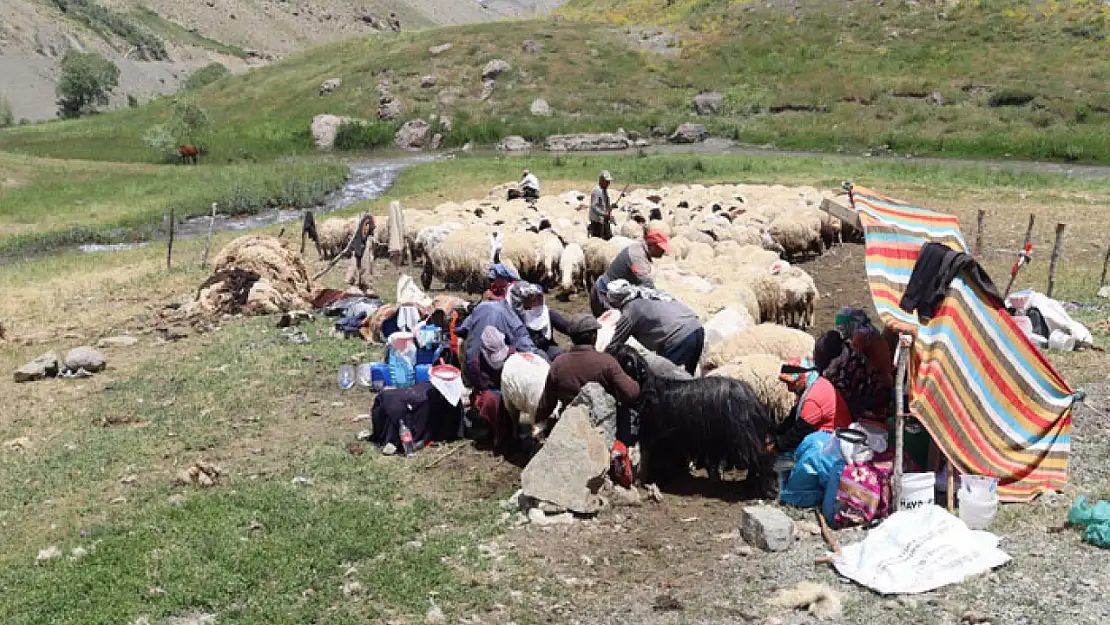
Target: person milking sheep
(819, 407)
(601, 209)
(854, 325)
(852, 376)
(501, 277)
(632, 264)
(528, 302)
(576, 368)
(657, 321)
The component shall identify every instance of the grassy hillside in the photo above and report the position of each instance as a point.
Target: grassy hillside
(827, 75)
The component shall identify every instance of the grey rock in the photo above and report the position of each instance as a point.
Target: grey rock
(766, 528)
(446, 123)
(658, 131)
(539, 517)
(325, 127)
(427, 81)
(86, 358)
(627, 497)
(689, 133)
(495, 68)
(117, 341)
(415, 134)
(45, 366)
(569, 469)
(532, 47)
(330, 85)
(590, 142)
(708, 103)
(540, 108)
(602, 408)
(487, 89)
(440, 49)
(390, 108)
(514, 144)
(437, 141)
(1104, 292)
(935, 98)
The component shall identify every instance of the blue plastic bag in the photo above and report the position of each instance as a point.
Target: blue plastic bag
(815, 477)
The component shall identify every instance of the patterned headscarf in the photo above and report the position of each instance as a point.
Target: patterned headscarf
(851, 320)
(538, 318)
(494, 348)
(797, 370)
(620, 292)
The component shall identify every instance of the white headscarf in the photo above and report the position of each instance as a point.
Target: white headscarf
(536, 319)
(620, 292)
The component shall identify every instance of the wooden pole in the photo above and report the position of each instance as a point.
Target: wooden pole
(1105, 264)
(979, 233)
(905, 344)
(951, 488)
(208, 241)
(169, 247)
(1025, 243)
(1055, 258)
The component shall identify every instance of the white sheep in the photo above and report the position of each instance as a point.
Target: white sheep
(525, 252)
(552, 251)
(572, 268)
(522, 381)
(461, 260)
(765, 338)
(335, 234)
(761, 372)
(799, 295)
(798, 234)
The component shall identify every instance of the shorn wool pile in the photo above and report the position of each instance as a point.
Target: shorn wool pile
(254, 274)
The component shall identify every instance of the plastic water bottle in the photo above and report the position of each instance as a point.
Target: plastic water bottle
(346, 377)
(406, 440)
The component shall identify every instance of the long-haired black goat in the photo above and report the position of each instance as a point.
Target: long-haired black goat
(713, 422)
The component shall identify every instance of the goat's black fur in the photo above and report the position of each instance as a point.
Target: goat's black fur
(715, 422)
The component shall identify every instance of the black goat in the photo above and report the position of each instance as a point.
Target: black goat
(714, 422)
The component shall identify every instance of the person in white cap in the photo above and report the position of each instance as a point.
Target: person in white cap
(529, 186)
(601, 209)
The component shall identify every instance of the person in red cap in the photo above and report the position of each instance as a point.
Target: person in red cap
(634, 264)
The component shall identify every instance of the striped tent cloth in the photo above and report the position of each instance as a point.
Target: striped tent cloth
(991, 401)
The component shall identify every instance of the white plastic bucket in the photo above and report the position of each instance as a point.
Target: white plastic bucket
(1061, 340)
(918, 489)
(976, 509)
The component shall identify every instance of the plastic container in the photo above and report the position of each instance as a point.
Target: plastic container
(364, 374)
(976, 509)
(406, 439)
(379, 376)
(428, 335)
(980, 485)
(402, 359)
(345, 377)
(1061, 340)
(423, 373)
(401, 374)
(784, 464)
(918, 489)
(847, 444)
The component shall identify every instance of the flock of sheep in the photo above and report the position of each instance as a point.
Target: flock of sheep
(729, 259)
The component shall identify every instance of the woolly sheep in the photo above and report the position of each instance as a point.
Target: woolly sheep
(795, 235)
(461, 260)
(522, 381)
(632, 229)
(572, 268)
(525, 252)
(799, 297)
(765, 338)
(552, 252)
(761, 372)
(335, 234)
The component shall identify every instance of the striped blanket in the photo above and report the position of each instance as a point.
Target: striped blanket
(989, 398)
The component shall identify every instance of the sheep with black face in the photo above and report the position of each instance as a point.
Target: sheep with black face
(714, 422)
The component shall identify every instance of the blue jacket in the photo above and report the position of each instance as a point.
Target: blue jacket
(501, 316)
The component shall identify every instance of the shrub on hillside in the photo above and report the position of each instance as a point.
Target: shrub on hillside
(187, 126)
(206, 75)
(7, 113)
(364, 135)
(86, 82)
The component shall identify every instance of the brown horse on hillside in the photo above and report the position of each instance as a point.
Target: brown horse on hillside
(189, 154)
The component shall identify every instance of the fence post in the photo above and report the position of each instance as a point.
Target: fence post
(979, 234)
(169, 246)
(1055, 258)
(1105, 263)
(208, 241)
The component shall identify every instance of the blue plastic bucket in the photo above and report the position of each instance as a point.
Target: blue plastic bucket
(423, 373)
(379, 376)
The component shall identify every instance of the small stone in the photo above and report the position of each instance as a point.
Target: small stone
(1104, 292)
(49, 553)
(45, 366)
(745, 551)
(540, 108)
(117, 341)
(804, 528)
(78, 552)
(513, 144)
(156, 592)
(427, 82)
(495, 68)
(128, 479)
(86, 358)
(487, 89)
(586, 560)
(18, 444)
(708, 103)
(330, 85)
(626, 496)
(302, 481)
(531, 47)
(117, 501)
(440, 49)
(434, 615)
(351, 589)
(766, 528)
(689, 133)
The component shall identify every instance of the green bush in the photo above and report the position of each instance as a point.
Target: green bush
(206, 75)
(364, 135)
(7, 113)
(106, 21)
(86, 82)
(187, 126)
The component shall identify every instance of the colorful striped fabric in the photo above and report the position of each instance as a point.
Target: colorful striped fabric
(989, 398)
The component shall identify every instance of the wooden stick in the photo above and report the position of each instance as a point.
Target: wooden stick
(444, 456)
(334, 261)
(1055, 258)
(905, 344)
(951, 488)
(208, 241)
(1105, 264)
(169, 247)
(1025, 243)
(979, 233)
(826, 533)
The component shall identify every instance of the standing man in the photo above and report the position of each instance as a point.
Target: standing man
(601, 210)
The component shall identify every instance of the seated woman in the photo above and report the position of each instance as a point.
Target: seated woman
(852, 376)
(483, 370)
(528, 303)
(854, 325)
(820, 407)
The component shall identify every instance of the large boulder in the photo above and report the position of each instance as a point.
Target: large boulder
(330, 85)
(495, 68)
(514, 145)
(602, 409)
(45, 366)
(324, 129)
(540, 108)
(766, 528)
(390, 108)
(708, 103)
(415, 134)
(689, 133)
(85, 358)
(569, 469)
(594, 142)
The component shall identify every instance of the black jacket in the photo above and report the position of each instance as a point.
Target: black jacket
(936, 265)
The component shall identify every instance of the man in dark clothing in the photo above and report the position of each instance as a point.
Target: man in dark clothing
(936, 266)
(362, 240)
(634, 264)
(659, 322)
(601, 211)
(578, 367)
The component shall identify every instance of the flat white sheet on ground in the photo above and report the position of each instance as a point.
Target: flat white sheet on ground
(919, 550)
